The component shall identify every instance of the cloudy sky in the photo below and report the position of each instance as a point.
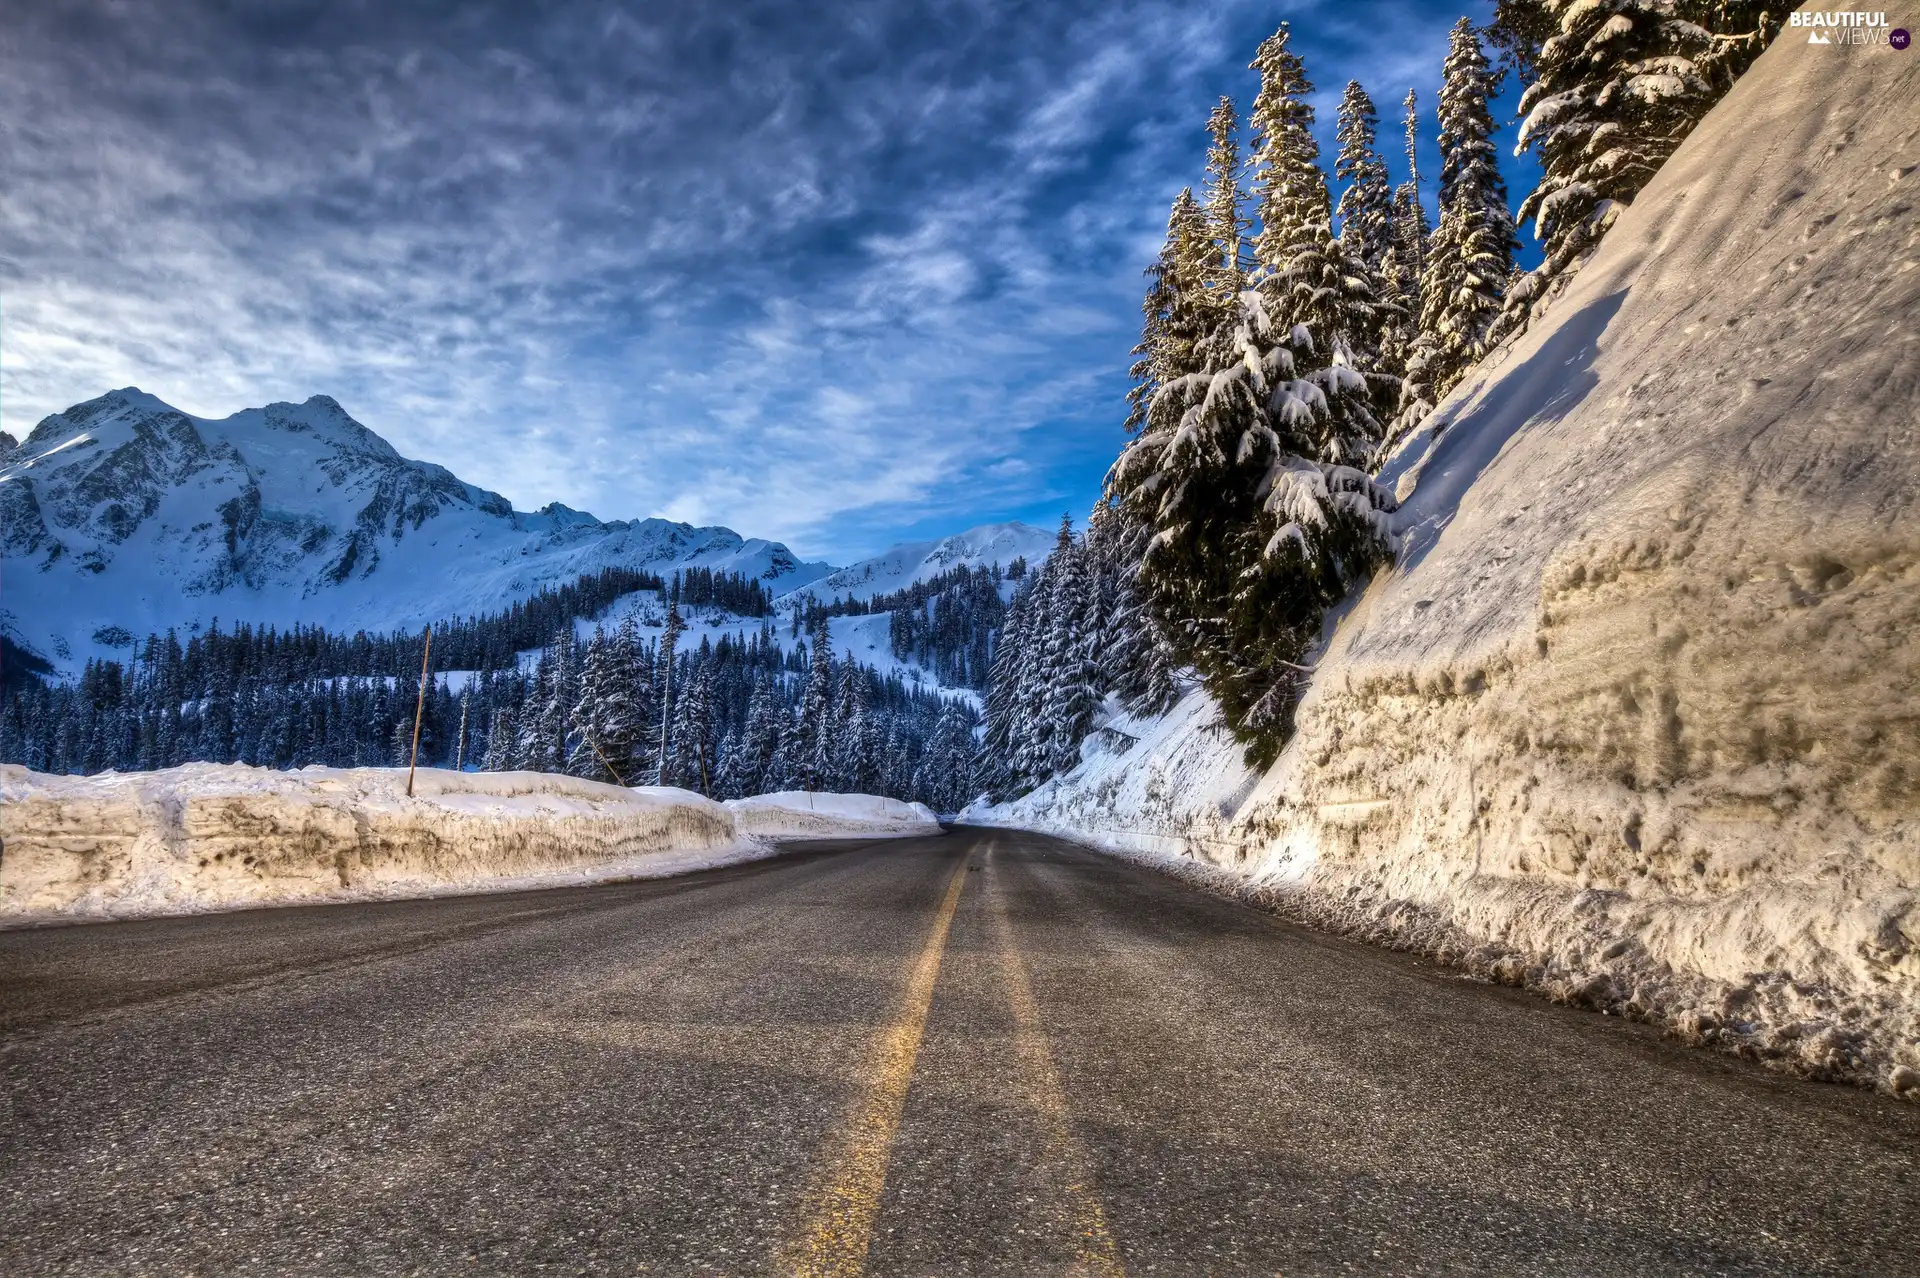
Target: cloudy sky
(830, 273)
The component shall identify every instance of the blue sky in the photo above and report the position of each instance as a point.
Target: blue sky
(833, 274)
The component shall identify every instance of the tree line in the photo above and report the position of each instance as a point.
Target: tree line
(730, 717)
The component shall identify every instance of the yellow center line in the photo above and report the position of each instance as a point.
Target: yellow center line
(1096, 1252)
(839, 1210)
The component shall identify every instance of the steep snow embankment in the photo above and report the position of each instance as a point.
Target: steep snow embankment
(802, 814)
(220, 836)
(1636, 717)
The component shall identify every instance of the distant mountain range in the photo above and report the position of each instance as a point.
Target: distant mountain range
(124, 515)
(912, 561)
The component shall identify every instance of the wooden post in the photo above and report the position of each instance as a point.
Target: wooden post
(666, 716)
(460, 751)
(588, 738)
(419, 707)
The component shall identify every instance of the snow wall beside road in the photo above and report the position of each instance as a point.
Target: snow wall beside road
(801, 814)
(1635, 719)
(221, 836)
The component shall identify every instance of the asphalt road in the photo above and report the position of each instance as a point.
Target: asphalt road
(982, 1053)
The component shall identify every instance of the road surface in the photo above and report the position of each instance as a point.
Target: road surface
(986, 1052)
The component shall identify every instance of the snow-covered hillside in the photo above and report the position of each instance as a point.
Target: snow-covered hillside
(902, 565)
(1635, 717)
(867, 638)
(123, 515)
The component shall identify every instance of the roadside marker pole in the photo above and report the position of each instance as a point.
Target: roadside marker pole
(460, 751)
(419, 706)
(588, 738)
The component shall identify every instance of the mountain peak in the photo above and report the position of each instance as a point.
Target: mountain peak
(903, 564)
(132, 516)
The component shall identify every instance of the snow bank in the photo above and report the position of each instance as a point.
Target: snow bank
(1635, 719)
(223, 836)
(801, 814)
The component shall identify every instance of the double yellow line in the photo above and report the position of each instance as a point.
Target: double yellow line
(839, 1210)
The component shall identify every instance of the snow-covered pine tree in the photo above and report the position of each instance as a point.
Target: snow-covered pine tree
(1070, 695)
(663, 664)
(1366, 206)
(725, 769)
(1136, 658)
(556, 715)
(862, 751)
(692, 764)
(626, 720)
(1328, 300)
(749, 760)
(1033, 757)
(946, 772)
(1257, 528)
(1616, 86)
(1225, 273)
(1469, 258)
(1001, 739)
(810, 740)
(841, 761)
(1405, 257)
(1175, 314)
(1410, 226)
(500, 743)
(536, 749)
(595, 691)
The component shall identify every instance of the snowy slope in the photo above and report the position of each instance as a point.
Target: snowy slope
(1634, 719)
(125, 512)
(867, 639)
(912, 561)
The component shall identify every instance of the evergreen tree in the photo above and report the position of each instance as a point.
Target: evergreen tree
(1255, 536)
(1410, 227)
(947, 772)
(1469, 258)
(624, 722)
(1614, 87)
(810, 743)
(604, 700)
(1136, 658)
(669, 642)
(1366, 206)
(1224, 274)
(1070, 694)
(1003, 736)
(1175, 314)
(531, 752)
(693, 747)
(753, 764)
(1327, 300)
(1404, 260)
(501, 743)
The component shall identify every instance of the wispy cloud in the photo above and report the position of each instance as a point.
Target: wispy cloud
(817, 274)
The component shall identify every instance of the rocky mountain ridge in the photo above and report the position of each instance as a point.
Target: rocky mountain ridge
(124, 514)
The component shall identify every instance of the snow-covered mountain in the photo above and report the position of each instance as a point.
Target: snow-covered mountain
(910, 561)
(124, 515)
